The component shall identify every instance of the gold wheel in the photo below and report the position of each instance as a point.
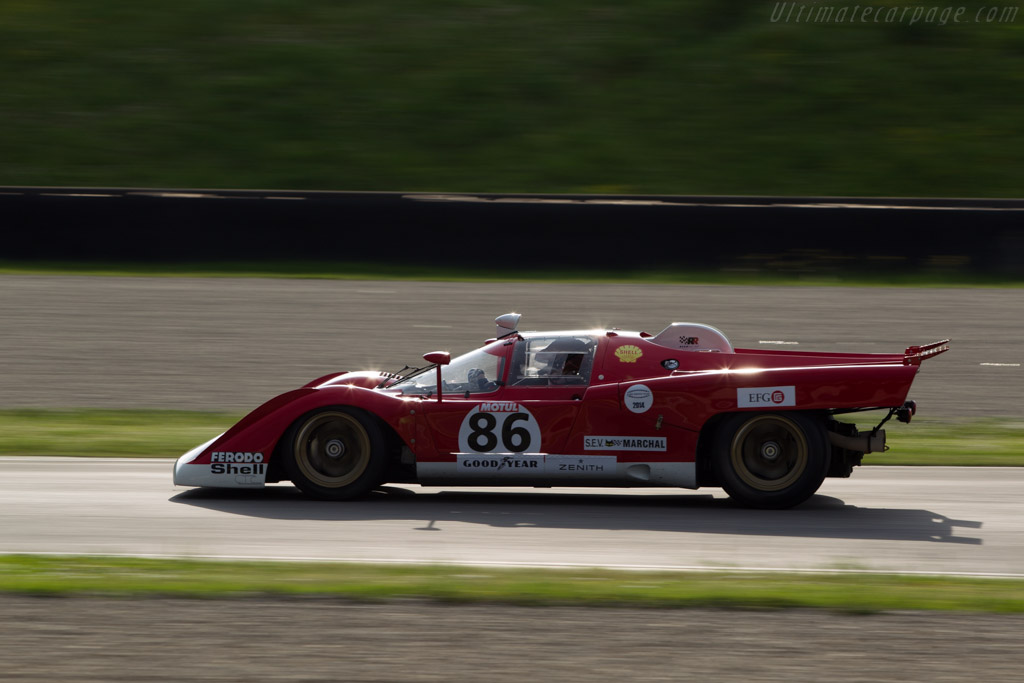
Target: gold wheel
(769, 453)
(332, 449)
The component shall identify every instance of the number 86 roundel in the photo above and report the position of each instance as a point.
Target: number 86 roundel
(499, 428)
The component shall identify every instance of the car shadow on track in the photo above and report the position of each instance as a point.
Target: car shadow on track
(820, 517)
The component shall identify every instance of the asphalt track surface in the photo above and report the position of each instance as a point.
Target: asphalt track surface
(232, 343)
(928, 520)
(229, 344)
(900, 519)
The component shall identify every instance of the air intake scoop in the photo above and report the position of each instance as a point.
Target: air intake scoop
(692, 337)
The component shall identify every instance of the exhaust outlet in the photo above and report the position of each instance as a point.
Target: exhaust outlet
(861, 443)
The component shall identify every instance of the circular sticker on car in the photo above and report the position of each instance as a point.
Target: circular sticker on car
(638, 398)
(499, 427)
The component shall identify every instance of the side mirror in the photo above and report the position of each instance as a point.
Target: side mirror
(438, 357)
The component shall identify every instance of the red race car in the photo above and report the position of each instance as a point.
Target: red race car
(681, 408)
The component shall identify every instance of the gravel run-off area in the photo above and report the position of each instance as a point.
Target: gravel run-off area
(316, 639)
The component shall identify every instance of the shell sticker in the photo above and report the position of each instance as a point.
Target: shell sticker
(628, 353)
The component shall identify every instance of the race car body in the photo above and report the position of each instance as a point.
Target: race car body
(682, 408)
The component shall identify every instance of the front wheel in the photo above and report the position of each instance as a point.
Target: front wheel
(771, 460)
(335, 454)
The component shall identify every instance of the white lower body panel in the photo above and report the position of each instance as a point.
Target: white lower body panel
(234, 475)
(555, 470)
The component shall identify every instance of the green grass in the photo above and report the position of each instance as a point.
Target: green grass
(69, 576)
(811, 277)
(165, 433)
(651, 96)
(988, 442)
(107, 433)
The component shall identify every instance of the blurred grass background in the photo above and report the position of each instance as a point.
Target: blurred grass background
(169, 433)
(806, 272)
(652, 96)
(849, 592)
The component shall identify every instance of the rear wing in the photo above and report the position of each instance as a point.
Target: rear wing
(915, 354)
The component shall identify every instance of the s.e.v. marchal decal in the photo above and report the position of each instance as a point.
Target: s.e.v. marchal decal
(625, 443)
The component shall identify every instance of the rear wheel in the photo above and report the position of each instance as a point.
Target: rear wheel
(335, 454)
(771, 460)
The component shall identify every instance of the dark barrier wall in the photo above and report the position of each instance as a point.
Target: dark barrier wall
(985, 236)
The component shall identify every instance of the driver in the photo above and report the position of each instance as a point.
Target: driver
(478, 382)
(563, 360)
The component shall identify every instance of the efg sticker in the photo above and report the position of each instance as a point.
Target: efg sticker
(638, 398)
(628, 353)
(499, 427)
(765, 397)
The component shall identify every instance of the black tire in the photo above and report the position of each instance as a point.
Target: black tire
(771, 460)
(335, 454)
